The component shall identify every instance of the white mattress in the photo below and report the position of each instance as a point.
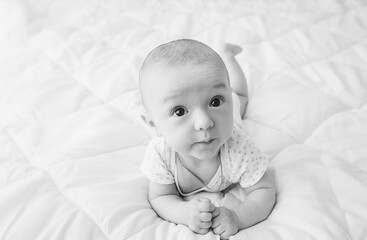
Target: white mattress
(71, 142)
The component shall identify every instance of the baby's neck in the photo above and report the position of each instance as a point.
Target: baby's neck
(194, 163)
(191, 171)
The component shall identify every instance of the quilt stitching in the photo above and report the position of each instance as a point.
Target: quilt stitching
(84, 86)
(44, 170)
(336, 197)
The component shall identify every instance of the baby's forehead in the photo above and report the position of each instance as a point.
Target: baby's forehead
(167, 79)
(159, 70)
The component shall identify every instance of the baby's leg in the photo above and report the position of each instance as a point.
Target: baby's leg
(236, 75)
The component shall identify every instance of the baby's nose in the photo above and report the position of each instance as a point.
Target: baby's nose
(203, 122)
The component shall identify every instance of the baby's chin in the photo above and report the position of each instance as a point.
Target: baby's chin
(205, 155)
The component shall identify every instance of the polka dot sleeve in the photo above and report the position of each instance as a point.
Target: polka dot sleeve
(154, 165)
(247, 163)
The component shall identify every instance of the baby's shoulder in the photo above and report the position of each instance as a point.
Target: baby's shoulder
(157, 164)
(157, 143)
(241, 158)
(237, 139)
(158, 148)
(239, 148)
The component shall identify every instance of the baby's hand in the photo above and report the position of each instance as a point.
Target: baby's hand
(225, 222)
(198, 215)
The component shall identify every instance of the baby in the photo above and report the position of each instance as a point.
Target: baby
(186, 91)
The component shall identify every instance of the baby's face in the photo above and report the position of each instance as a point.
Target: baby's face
(191, 107)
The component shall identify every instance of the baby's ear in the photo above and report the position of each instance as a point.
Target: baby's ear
(147, 121)
(150, 126)
(140, 114)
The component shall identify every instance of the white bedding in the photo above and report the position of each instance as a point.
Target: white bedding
(71, 141)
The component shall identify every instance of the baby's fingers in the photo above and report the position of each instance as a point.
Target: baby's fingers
(215, 223)
(225, 235)
(216, 212)
(218, 230)
(205, 225)
(216, 218)
(206, 206)
(222, 232)
(203, 231)
(205, 216)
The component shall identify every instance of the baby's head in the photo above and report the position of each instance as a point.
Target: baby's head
(185, 89)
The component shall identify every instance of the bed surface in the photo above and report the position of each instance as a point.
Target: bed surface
(71, 140)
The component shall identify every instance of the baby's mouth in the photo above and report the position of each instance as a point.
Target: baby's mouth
(206, 142)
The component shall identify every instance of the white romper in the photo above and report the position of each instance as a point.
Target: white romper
(240, 160)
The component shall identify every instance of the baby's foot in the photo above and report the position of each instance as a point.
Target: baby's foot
(229, 49)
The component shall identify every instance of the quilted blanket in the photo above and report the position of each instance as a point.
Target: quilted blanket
(71, 140)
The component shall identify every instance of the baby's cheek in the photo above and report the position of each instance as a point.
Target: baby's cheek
(225, 132)
(177, 143)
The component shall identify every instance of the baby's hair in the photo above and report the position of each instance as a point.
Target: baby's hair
(181, 51)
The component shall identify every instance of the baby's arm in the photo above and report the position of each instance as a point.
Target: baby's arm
(258, 204)
(236, 75)
(196, 214)
(256, 208)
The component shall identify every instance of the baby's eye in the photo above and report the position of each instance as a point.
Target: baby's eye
(179, 112)
(216, 102)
